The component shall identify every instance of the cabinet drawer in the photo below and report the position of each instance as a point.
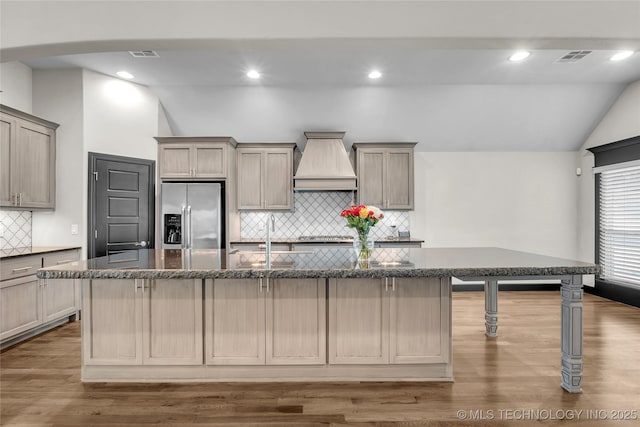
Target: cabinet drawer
(18, 267)
(63, 257)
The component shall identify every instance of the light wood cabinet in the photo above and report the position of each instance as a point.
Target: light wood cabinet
(20, 304)
(60, 296)
(194, 157)
(260, 321)
(385, 174)
(142, 322)
(265, 176)
(389, 321)
(28, 169)
(29, 303)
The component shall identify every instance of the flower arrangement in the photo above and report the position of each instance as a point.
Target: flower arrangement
(362, 218)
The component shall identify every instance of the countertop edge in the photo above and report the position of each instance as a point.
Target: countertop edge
(318, 273)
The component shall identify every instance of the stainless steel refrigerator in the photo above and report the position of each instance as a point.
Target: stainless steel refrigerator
(192, 215)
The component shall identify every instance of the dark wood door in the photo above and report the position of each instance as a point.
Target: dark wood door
(122, 204)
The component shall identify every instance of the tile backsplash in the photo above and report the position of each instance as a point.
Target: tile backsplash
(15, 227)
(317, 213)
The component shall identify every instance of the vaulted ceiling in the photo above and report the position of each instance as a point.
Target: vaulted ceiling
(446, 79)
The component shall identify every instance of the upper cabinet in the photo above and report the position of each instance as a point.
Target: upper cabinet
(385, 174)
(265, 176)
(28, 160)
(194, 157)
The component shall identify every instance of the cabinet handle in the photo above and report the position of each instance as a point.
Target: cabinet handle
(20, 200)
(135, 286)
(260, 284)
(386, 284)
(64, 261)
(267, 285)
(16, 270)
(393, 284)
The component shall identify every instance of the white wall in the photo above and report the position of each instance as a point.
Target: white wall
(521, 201)
(622, 121)
(58, 97)
(15, 84)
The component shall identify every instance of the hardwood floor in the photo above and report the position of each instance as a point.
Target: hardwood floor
(511, 380)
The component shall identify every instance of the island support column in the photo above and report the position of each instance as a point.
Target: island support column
(491, 308)
(572, 333)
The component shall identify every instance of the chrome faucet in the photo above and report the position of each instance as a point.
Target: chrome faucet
(271, 226)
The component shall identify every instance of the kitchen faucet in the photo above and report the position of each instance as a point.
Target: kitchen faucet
(271, 226)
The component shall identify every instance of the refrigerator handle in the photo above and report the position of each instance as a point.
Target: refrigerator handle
(183, 230)
(189, 235)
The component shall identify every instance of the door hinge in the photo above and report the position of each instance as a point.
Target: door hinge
(95, 175)
(95, 233)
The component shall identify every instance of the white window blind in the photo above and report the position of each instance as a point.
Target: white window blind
(619, 250)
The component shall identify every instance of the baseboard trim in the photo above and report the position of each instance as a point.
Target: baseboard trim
(509, 287)
(35, 331)
(615, 292)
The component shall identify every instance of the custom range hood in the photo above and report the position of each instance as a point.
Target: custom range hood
(324, 164)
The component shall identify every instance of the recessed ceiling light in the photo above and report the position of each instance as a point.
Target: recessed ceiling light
(622, 55)
(253, 74)
(375, 74)
(125, 75)
(519, 56)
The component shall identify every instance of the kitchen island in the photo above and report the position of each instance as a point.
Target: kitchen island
(178, 315)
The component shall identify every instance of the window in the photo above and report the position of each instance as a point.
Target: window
(619, 225)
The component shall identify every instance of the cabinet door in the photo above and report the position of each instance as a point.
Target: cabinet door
(35, 165)
(112, 322)
(358, 321)
(7, 186)
(174, 160)
(278, 178)
(172, 322)
(370, 177)
(296, 322)
(58, 298)
(235, 328)
(209, 161)
(249, 179)
(419, 319)
(398, 193)
(19, 306)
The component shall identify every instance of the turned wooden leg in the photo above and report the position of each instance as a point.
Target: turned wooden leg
(491, 308)
(571, 334)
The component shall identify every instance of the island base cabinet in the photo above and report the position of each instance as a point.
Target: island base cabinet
(142, 322)
(389, 321)
(265, 321)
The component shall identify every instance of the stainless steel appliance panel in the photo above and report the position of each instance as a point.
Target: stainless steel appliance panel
(174, 203)
(203, 215)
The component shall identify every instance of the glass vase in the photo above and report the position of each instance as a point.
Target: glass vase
(363, 248)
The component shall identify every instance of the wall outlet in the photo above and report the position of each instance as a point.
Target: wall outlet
(74, 229)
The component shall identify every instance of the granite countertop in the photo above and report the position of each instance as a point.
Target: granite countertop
(33, 250)
(330, 262)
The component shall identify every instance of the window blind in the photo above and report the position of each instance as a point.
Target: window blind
(619, 248)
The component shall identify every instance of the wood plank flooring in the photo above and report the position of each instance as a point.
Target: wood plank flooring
(511, 380)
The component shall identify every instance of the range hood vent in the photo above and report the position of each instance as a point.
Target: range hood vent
(325, 164)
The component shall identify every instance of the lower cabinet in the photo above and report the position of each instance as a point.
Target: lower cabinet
(142, 322)
(20, 306)
(389, 321)
(260, 321)
(28, 303)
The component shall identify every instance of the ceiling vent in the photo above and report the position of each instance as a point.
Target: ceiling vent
(144, 53)
(574, 56)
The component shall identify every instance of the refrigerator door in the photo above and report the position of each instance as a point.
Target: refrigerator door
(173, 215)
(203, 215)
